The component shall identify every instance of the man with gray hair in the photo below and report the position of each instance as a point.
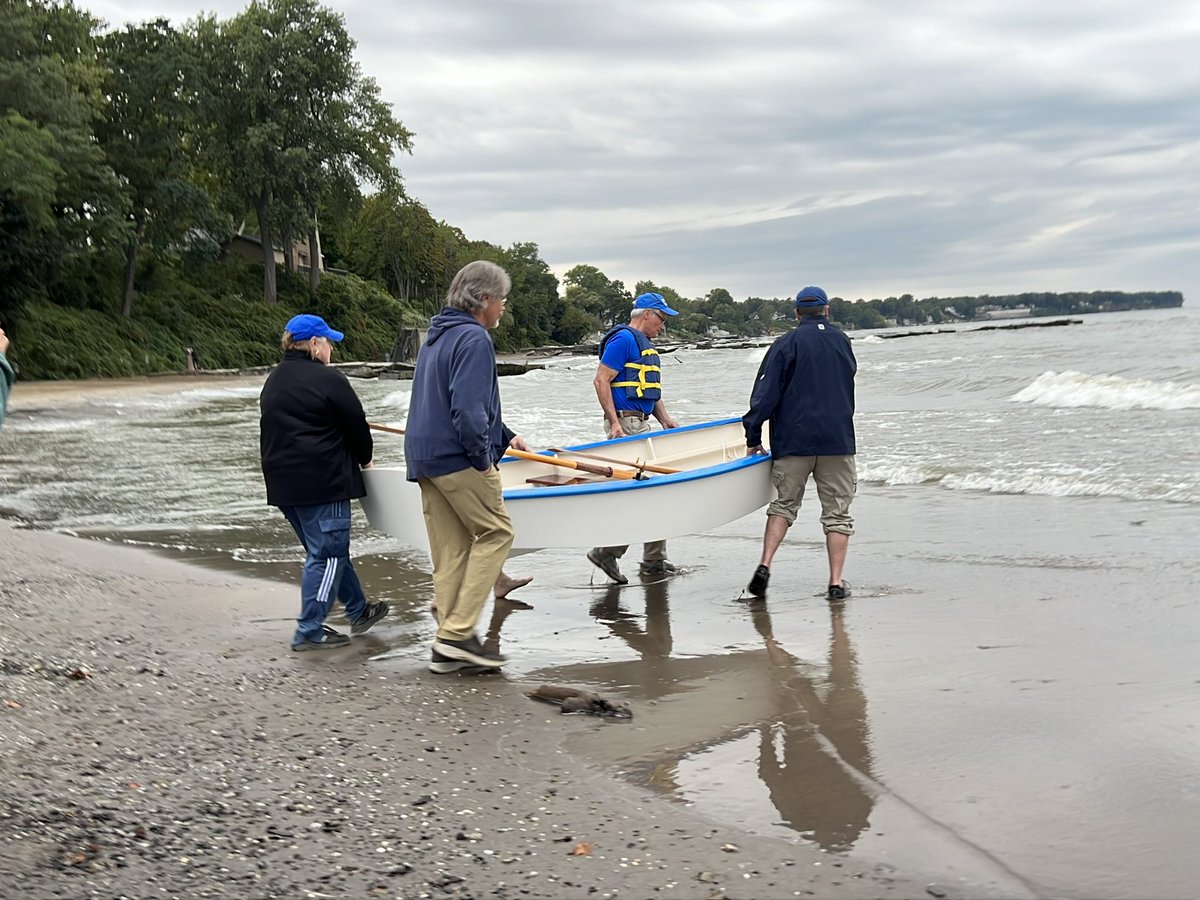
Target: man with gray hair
(454, 438)
(628, 385)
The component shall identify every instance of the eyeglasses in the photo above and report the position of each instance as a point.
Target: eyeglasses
(661, 317)
(503, 300)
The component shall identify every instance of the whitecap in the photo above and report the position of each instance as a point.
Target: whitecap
(1075, 389)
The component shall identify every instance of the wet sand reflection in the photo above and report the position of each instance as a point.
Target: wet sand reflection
(815, 756)
(707, 724)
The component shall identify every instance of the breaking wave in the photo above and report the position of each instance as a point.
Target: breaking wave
(1064, 481)
(1073, 389)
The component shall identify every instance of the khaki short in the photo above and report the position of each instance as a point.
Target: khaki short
(837, 482)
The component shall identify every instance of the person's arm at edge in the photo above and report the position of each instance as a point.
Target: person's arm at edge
(7, 375)
(514, 440)
(603, 384)
(763, 399)
(664, 417)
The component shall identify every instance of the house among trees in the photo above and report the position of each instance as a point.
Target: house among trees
(250, 246)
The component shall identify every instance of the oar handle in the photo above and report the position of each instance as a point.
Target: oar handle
(606, 471)
(661, 470)
(389, 428)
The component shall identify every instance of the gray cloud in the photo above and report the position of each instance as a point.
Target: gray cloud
(930, 147)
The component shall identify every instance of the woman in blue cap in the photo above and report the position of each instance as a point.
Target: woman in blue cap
(315, 442)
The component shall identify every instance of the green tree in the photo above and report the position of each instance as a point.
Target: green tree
(395, 241)
(143, 136)
(59, 201)
(573, 326)
(346, 133)
(534, 308)
(291, 121)
(593, 292)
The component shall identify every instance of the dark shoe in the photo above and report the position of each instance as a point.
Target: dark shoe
(837, 592)
(440, 664)
(758, 584)
(374, 612)
(606, 563)
(469, 651)
(329, 640)
(661, 567)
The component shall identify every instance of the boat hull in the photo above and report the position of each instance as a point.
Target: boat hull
(715, 484)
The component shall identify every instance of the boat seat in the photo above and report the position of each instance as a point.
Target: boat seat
(556, 480)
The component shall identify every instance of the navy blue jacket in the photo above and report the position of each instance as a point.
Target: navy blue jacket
(805, 387)
(313, 435)
(454, 414)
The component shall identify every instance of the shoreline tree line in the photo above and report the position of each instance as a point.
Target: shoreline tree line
(133, 158)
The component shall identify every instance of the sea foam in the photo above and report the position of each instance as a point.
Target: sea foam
(1073, 389)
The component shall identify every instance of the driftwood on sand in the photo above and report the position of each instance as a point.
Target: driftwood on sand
(575, 701)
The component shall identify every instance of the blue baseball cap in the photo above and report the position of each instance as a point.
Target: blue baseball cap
(810, 297)
(306, 325)
(653, 301)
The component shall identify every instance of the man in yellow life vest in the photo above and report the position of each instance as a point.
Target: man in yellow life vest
(629, 387)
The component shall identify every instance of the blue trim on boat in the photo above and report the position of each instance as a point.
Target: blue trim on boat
(600, 487)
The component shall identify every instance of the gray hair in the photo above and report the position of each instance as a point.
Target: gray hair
(635, 313)
(473, 281)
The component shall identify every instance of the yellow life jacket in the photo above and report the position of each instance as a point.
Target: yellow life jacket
(641, 378)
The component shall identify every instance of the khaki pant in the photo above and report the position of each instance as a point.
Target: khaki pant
(837, 482)
(652, 551)
(470, 535)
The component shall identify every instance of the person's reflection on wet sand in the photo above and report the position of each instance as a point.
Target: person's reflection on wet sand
(815, 758)
(651, 640)
(501, 610)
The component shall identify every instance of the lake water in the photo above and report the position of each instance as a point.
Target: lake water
(1011, 699)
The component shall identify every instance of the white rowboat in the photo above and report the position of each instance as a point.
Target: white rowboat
(715, 482)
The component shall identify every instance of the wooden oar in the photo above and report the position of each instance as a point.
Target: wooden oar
(661, 470)
(606, 471)
(379, 427)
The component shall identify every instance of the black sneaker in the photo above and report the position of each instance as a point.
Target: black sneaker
(373, 613)
(440, 664)
(662, 567)
(837, 592)
(606, 563)
(329, 640)
(758, 584)
(469, 651)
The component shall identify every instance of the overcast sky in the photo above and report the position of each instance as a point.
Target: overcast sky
(931, 147)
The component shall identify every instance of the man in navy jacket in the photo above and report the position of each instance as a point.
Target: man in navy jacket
(452, 442)
(805, 389)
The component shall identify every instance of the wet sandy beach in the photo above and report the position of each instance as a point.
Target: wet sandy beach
(963, 723)
(160, 740)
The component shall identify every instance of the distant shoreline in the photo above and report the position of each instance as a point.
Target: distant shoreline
(49, 391)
